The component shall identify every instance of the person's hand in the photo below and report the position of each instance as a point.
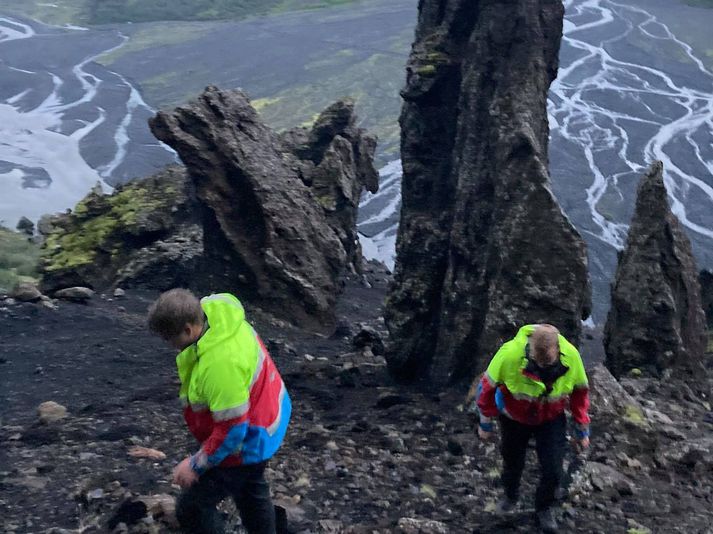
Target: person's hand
(184, 475)
(484, 435)
(580, 444)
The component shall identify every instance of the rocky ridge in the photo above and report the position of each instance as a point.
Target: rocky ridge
(476, 191)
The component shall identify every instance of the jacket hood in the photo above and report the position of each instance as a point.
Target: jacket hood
(225, 316)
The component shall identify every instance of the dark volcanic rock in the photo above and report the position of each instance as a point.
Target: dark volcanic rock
(268, 236)
(143, 235)
(656, 319)
(75, 294)
(483, 246)
(706, 278)
(129, 512)
(337, 163)
(368, 337)
(26, 226)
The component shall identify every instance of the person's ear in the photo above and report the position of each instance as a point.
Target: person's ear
(188, 330)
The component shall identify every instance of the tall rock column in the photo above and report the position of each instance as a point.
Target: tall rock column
(656, 318)
(483, 245)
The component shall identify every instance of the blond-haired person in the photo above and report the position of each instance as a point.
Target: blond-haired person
(529, 383)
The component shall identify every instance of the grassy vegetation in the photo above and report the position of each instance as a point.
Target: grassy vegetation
(58, 13)
(372, 82)
(18, 258)
(94, 12)
(108, 11)
(156, 35)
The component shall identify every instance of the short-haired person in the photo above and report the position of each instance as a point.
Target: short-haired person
(235, 404)
(527, 386)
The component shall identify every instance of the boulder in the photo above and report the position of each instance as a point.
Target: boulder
(610, 401)
(51, 412)
(656, 320)
(279, 211)
(368, 337)
(483, 246)
(604, 477)
(74, 294)
(26, 292)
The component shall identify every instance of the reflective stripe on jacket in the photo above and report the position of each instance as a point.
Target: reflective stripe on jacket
(236, 404)
(508, 388)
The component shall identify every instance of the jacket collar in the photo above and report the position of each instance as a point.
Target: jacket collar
(530, 370)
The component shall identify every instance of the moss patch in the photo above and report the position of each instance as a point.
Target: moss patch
(99, 223)
(426, 70)
(261, 103)
(634, 415)
(18, 258)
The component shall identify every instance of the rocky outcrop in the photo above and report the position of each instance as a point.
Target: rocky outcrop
(336, 162)
(145, 234)
(279, 212)
(483, 245)
(706, 278)
(26, 226)
(656, 319)
(269, 216)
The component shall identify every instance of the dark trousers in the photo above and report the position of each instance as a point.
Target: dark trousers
(550, 443)
(196, 507)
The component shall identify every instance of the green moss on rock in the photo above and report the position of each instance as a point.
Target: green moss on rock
(426, 70)
(96, 233)
(634, 415)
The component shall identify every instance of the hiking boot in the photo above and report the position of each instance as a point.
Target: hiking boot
(547, 521)
(506, 505)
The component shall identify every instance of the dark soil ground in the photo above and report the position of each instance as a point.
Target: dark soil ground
(362, 454)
